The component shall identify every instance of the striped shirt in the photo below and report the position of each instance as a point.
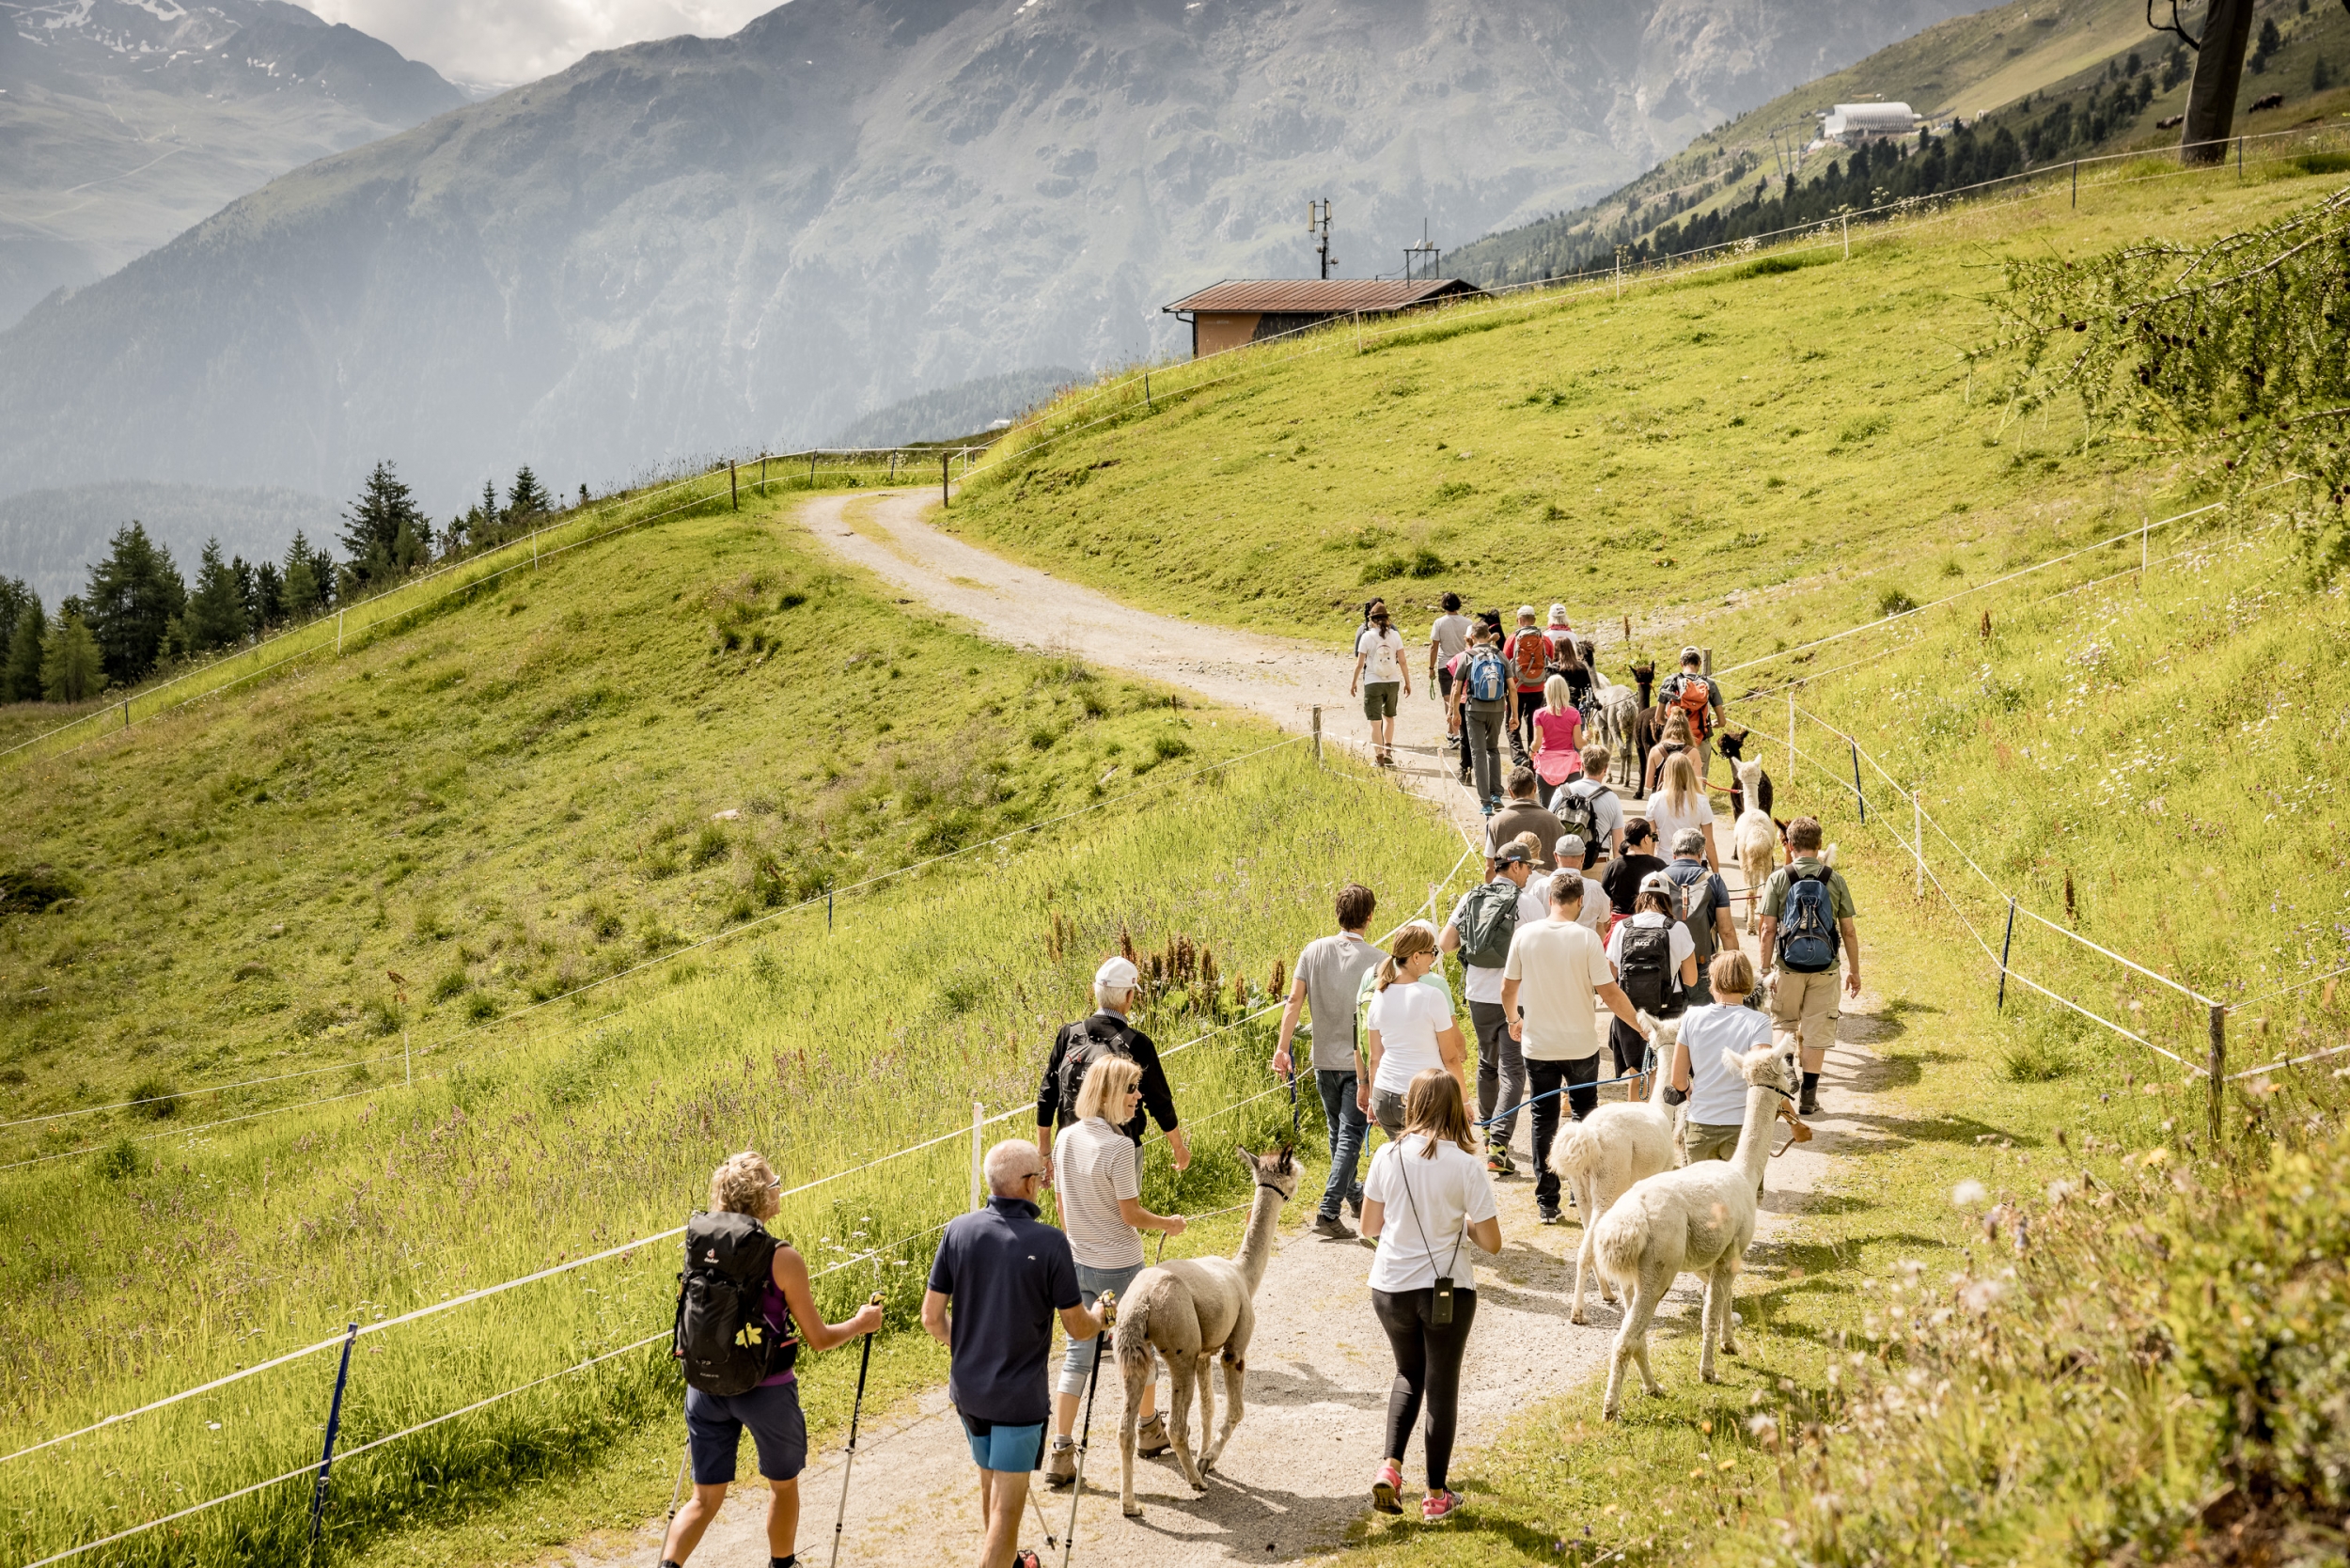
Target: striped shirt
(1094, 1165)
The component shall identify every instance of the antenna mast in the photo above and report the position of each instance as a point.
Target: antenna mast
(1318, 228)
(1424, 253)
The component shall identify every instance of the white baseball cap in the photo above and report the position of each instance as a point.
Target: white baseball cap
(1558, 615)
(1525, 612)
(1119, 974)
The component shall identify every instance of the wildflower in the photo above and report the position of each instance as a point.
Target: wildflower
(1967, 1194)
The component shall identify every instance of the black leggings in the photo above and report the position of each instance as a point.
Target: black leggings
(1427, 1366)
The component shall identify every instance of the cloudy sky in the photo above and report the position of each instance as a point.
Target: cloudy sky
(519, 41)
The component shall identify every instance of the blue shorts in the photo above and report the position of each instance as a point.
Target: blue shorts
(1011, 1449)
(713, 1431)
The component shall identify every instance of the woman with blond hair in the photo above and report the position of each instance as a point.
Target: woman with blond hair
(746, 1185)
(1675, 741)
(1680, 803)
(1407, 1029)
(1558, 729)
(1425, 1199)
(1098, 1173)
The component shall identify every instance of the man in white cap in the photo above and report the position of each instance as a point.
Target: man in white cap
(1530, 653)
(1080, 1044)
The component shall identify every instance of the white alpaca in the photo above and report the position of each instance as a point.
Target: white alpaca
(1603, 1155)
(1618, 724)
(1754, 839)
(1194, 1312)
(1699, 1218)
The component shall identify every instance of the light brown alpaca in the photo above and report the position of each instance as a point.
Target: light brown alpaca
(1195, 1311)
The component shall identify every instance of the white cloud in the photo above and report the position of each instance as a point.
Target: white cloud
(520, 41)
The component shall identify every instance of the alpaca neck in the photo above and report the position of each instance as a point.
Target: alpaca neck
(1754, 1137)
(1255, 1242)
(1664, 1081)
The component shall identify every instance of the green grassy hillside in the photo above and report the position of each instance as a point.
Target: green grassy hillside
(671, 734)
(2042, 1317)
(1806, 434)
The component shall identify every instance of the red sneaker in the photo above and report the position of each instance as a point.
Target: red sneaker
(1385, 1489)
(1437, 1509)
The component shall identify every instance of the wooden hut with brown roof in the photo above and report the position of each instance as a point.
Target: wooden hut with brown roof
(1240, 310)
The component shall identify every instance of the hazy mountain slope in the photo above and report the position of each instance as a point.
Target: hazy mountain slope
(964, 409)
(1968, 66)
(123, 123)
(50, 538)
(759, 238)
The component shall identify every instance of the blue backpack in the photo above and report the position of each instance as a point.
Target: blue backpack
(1488, 676)
(1806, 925)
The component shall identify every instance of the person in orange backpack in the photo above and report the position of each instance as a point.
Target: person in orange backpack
(1698, 697)
(1528, 651)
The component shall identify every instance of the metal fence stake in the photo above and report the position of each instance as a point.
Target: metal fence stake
(334, 1424)
(827, 907)
(2005, 942)
(2217, 1071)
(1856, 780)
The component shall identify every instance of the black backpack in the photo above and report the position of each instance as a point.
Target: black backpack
(1578, 814)
(1647, 967)
(1694, 892)
(722, 1341)
(1078, 1059)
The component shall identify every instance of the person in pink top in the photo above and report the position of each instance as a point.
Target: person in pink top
(1558, 728)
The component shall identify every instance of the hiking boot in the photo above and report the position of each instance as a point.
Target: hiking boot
(1354, 1204)
(1437, 1509)
(1549, 1214)
(1498, 1161)
(1810, 1103)
(1384, 1487)
(1151, 1440)
(1332, 1227)
(1061, 1466)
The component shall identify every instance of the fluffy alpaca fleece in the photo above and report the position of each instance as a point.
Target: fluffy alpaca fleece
(1600, 1157)
(1619, 727)
(1754, 841)
(1195, 1312)
(1699, 1218)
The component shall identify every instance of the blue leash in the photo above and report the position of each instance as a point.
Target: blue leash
(1648, 1065)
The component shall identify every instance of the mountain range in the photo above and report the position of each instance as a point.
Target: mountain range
(752, 241)
(124, 122)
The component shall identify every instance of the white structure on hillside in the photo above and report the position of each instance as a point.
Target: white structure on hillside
(1854, 123)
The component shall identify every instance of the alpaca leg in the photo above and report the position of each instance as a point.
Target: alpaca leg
(1631, 1345)
(1648, 1296)
(1137, 1379)
(1728, 1273)
(1597, 1203)
(1203, 1370)
(1709, 1326)
(1182, 1374)
(1235, 1363)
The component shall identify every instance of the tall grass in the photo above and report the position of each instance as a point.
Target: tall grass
(825, 1051)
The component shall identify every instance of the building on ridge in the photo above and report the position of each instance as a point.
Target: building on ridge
(1241, 310)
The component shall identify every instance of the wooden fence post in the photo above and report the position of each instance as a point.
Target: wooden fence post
(945, 462)
(2217, 1070)
(734, 488)
(1317, 737)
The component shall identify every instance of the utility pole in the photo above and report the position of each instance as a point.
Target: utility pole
(1318, 229)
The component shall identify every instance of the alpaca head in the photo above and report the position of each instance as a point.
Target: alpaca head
(1276, 1168)
(1827, 855)
(1663, 1033)
(1750, 780)
(1730, 742)
(1772, 1066)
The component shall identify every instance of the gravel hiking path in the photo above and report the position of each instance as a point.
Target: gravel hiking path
(1296, 1476)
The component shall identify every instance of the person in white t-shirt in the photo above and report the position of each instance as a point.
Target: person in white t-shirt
(1379, 656)
(1680, 803)
(1407, 1029)
(1717, 1091)
(1557, 966)
(1598, 803)
(1425, 1202)
(1500, 1070)
(1447, 638)
(1098, 1178)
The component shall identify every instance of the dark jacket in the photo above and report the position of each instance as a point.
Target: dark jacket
(1159, 1100)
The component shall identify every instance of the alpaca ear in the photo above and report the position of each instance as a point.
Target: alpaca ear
(1245, 1157)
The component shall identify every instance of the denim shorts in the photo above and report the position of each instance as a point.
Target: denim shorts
(1011, 1449)
(1076, 1367)
(713, 1431)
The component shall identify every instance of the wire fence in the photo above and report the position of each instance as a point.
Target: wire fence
(973, 1131)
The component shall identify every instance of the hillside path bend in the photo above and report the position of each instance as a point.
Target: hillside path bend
(1295, 1479)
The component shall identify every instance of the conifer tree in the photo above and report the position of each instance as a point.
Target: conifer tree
(133, 595)
(526, 498)
(215, 613)
(71, 669)
(269, 596)
(19, 676)
(15, 598)
(374, 522)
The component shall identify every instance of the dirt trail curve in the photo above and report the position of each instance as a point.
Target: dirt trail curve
(1297, 1472)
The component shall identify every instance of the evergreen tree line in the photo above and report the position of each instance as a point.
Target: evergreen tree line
(138, 613)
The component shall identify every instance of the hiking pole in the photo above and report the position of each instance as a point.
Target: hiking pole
(1108, 1302)
(848, 1463)
(1038, 1509)
(684, 1461)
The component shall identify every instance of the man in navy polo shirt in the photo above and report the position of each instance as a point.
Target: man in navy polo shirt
(1006, 1273)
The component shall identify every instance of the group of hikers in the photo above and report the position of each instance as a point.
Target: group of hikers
(1576, 914)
